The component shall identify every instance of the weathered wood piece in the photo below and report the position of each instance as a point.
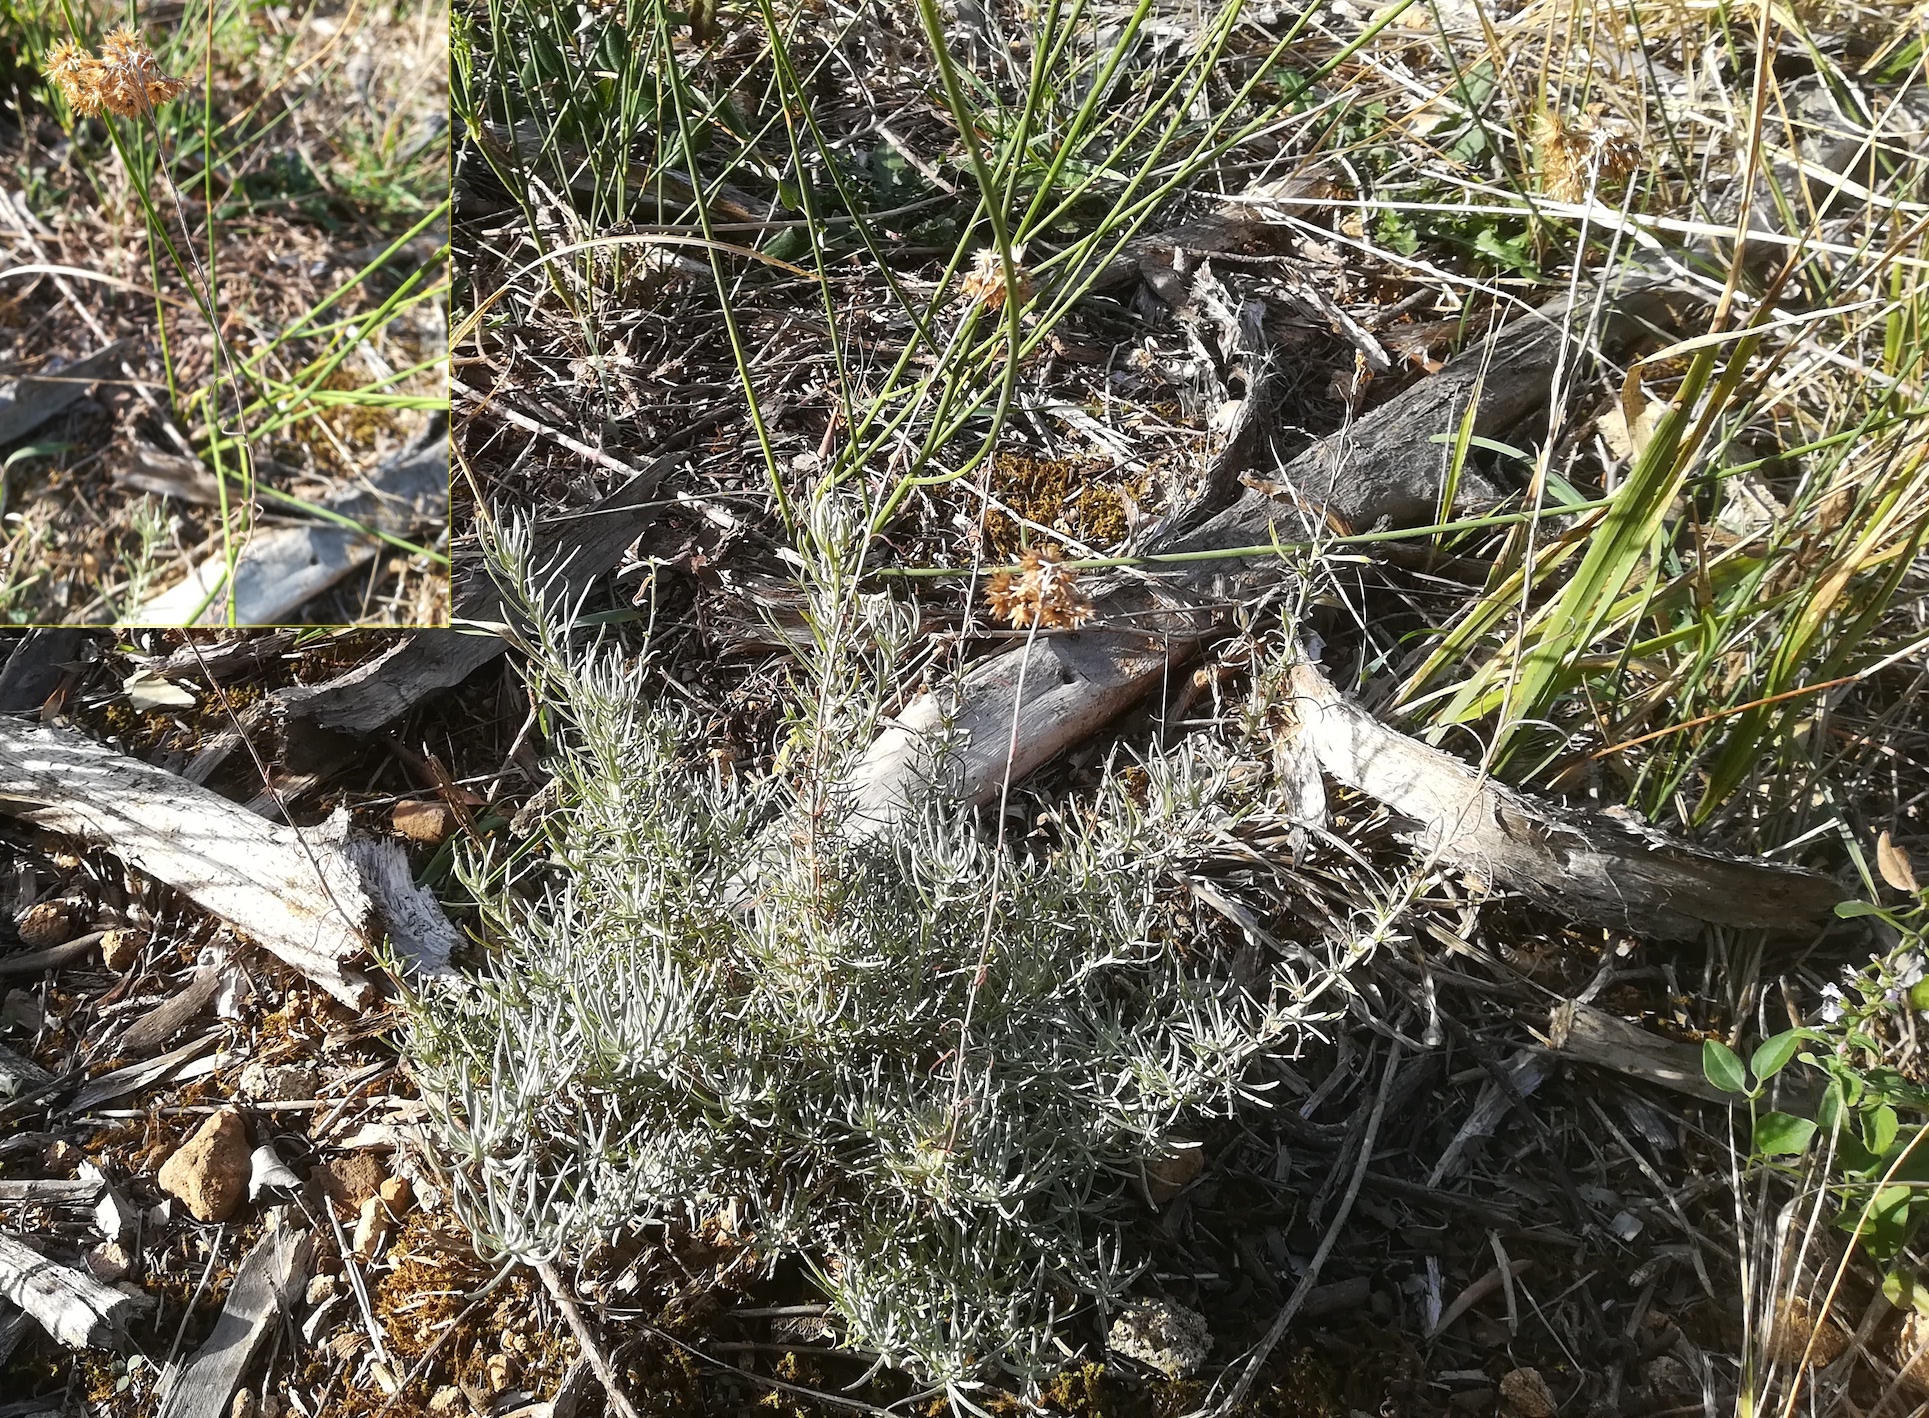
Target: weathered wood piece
(33, 962)
(131, 1078)
(14, 1325)
(69, 1193)
(1591, 1036)
(280, 569)
(35, 398)
(171, 1016)
(267, 1282)
(581, 546)
(72, 1306)
(294, 892)
(1600, 869)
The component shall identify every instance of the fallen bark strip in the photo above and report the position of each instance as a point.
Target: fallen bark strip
(169, 1018)
(1385, 467)
(38, 397)
(72, 1306)
(1592, 1036)
(582, 546)
(266, 1284)
(280, 569)
(293, 893)
(1600, 869)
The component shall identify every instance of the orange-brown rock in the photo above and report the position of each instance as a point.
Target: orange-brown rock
(209, 1172)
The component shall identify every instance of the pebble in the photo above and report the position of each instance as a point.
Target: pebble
(1163, 1336)
(47, 924)
(423, 820)
(1525, 1394)
(120, 949)
(278, 1083)
(209, 1172)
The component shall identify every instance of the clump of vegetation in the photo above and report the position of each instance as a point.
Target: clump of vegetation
(924, 1061)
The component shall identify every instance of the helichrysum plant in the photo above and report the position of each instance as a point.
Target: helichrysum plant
(926, 1064)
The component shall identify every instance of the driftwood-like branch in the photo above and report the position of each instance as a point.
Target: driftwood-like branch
(280, 569)
(69, 1304)
(1592, 1036)
(295, 893)
(1385, 467)
(1596, 868)
(268, 1281)
(1014, 711)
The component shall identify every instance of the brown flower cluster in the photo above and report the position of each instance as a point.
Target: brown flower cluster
(1043, 594)
(1571, 153)
(985, 281)
(125, 79)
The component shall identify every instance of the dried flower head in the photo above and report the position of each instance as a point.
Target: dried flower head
(1043, 594)
(1580, 156)
(125, 79)
(77, 74)
(985, 281)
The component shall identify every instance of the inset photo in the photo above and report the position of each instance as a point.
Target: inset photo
(224, 313)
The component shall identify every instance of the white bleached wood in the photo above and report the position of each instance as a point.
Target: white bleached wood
(295, 893)
(72, 1306)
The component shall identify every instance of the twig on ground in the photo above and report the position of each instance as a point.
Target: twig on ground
(587, 1338)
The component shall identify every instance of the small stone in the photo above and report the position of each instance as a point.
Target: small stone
(1525, 1394)
(371, 1229)
(209, 1172)
(423, 820)
(1176, 1167)
(109, 1262)
(445, 1399)
(350, 1180)
(244, 1405)
(501, 1371)
(120, 949)
(47, 924)
(1670, 1379)
(398, 1196)
(61, 1156)
(1163, 1336)
(322, 1288)
(283, 1083)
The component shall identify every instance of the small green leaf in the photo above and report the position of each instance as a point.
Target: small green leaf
(1773, 1055)
(1782, 1135)
(1906, 1292)
(36, 450)
(1879, 1128)
(1849, 910)
(1722, 1066)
